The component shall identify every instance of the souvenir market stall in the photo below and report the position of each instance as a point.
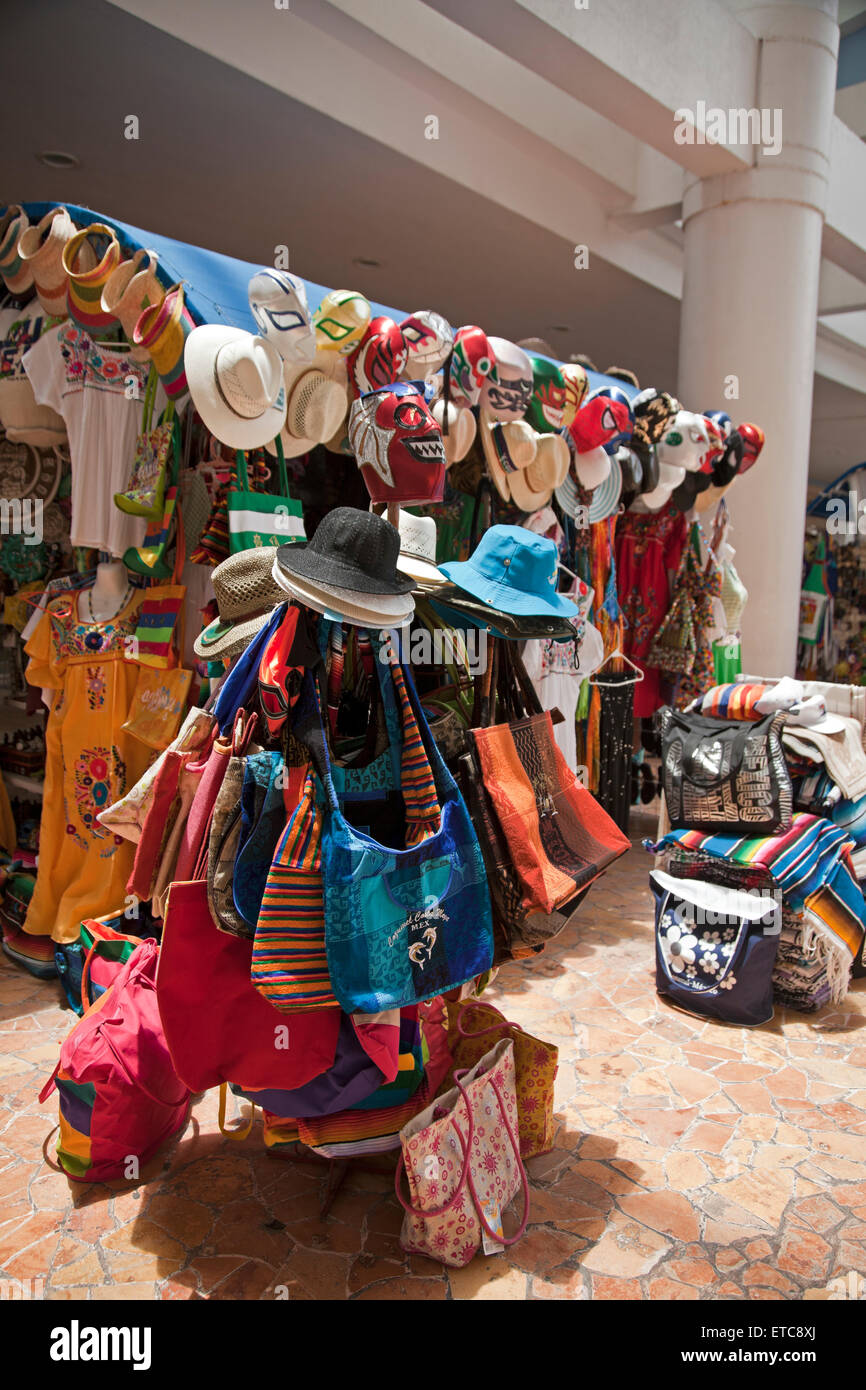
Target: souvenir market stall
(350, 632)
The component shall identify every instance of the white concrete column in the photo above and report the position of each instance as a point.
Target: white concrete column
(752, 262)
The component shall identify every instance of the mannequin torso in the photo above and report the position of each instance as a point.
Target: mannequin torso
(109, 594)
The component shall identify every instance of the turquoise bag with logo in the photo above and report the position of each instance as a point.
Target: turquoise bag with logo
(407, 922)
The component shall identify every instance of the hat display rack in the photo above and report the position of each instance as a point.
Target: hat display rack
(362, 539)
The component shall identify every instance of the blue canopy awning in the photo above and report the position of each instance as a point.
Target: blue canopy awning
(216, 285)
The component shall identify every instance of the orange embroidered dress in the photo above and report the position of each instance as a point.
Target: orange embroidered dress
(90, 762)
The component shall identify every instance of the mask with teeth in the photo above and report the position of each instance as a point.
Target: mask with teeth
(398, 445)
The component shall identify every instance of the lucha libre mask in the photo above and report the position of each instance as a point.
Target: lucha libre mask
(603, 421)
(547, 406)
(715, 448)
(625, 415)
(279, 306)
(429, 339)
(471, 362)
(506, 392)
(279, 682)
(341, 320)
(753, 442)
(722, 420)
(576, 387)
(378, 359)
(685, 442)
(398, 445)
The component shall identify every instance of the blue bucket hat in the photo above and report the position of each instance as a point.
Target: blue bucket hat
(514, 570)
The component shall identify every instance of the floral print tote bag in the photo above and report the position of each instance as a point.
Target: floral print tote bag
(716, 948)
(462, 1161)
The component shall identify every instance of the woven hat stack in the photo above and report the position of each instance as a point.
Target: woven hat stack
(246, 595)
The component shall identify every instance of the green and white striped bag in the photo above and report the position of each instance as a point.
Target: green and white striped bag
(263, 518)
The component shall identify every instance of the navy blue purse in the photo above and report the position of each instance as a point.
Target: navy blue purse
(715, 949)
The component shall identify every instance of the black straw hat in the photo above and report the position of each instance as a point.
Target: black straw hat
(350, 549)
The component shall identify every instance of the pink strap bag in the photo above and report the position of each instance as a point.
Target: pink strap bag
(462, 1160)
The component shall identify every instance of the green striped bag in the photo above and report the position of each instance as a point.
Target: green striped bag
(262, 518)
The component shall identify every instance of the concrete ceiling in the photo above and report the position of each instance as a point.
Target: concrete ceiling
(228, 162)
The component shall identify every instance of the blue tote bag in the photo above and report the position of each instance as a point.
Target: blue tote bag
(401, 924)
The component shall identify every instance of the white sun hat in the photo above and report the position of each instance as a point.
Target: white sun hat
(376, 611)
(236, 383)
(417, 556)
(592, 468)
(315, 407)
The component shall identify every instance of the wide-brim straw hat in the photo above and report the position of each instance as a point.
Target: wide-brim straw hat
(42, 247)
(17, 275)
(236, 383)
(89, 259)
(246, 595)
(507, 448)
(132, 287)
(316, 406)
(462, 430)
(361, 610)
(534, 486)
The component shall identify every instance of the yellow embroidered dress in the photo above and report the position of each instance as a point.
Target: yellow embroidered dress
(90, 762)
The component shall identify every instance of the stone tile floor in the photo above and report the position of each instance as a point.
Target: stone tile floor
(692, 1161)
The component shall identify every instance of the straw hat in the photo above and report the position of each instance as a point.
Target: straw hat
(17, 275)
(131, 288)
(315, 408)
(41, 247)
(246, 595)
(236, 384)
(533, 487)
(507, 449)
(418, 549)
(461, 430)
(89, 259)
(163, 329)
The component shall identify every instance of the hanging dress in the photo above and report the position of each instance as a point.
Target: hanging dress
(648, 545)
(702, 580)
(90, 763)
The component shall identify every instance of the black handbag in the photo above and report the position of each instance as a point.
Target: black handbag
(725, 775)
